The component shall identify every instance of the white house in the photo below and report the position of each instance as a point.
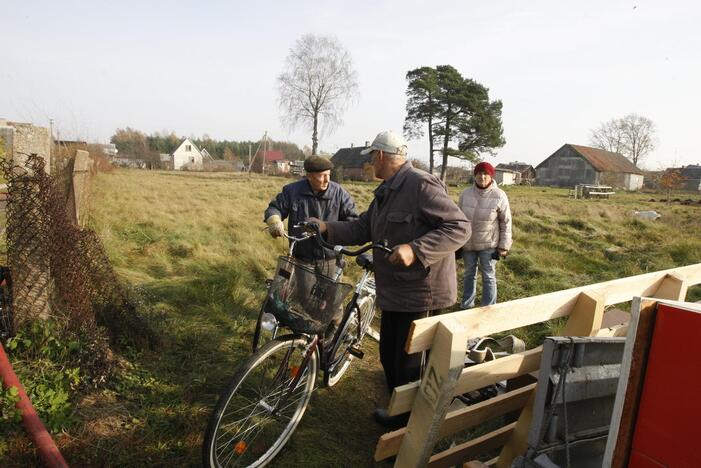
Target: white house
(506, 176)
(187, 157)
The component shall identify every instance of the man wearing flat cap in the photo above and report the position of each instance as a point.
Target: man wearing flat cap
(413, 212)
(313, 196)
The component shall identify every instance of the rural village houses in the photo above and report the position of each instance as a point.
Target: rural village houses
(574, 164)
(187, 157)
(525, 173)
(352, 164)
(691, 177)
(506, 176)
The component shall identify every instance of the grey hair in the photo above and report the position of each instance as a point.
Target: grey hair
(395, 156)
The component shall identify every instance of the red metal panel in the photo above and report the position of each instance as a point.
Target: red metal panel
(666, 430)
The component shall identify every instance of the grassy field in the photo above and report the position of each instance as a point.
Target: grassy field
(193, 245)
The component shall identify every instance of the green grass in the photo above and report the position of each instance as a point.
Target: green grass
(193, 244)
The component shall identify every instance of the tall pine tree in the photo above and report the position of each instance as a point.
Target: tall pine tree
(457, 112)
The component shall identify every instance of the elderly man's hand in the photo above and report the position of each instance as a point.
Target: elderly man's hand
(402, 254)
(318, 222)
(275, 226)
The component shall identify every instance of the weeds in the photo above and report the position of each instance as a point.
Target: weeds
(198, 264)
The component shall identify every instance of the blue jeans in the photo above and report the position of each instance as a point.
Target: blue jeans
(481, 259)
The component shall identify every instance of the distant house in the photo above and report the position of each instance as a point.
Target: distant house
(205, 155)
(691, 177)
(266, 161)
(297, 167)
(166, 161)
(279, 167)
(135, 163)
(526, 172)
(355, 166)
(573, 164)
(187, 157)
(506, 176)
(109, 149)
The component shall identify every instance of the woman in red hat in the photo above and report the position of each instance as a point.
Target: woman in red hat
(486, 206)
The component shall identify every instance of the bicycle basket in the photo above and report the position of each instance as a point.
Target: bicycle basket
(303, 300)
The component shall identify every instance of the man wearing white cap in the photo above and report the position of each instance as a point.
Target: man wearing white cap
(413, 212)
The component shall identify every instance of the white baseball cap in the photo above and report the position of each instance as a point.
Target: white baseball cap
(389, 142)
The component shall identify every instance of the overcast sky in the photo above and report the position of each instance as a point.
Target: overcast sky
(560, 68)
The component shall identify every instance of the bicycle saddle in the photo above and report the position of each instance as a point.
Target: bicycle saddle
(364, 260)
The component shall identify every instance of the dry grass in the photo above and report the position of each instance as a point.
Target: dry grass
(192, 243)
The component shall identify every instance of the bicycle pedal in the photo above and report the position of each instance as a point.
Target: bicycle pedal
(357, 352)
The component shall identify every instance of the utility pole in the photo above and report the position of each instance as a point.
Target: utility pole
(265, 150)
(51, 146)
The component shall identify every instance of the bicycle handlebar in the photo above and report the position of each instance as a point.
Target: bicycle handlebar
(313, 229)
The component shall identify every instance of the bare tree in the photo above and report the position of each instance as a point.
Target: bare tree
(608, 136)
(639, 134)
(632, 135)
(317, 85)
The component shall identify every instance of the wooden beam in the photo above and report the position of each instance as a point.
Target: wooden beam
(479, 464)
(473, 377)
(585, 320)
(461, 419)
(630, 384)
(586, 315)
(673, 287)
(435, 394)
(496, 318)
(472, 448)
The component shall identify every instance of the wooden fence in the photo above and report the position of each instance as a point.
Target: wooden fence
(445, 375)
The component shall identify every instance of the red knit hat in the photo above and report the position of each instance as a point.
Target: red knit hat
(484, 166)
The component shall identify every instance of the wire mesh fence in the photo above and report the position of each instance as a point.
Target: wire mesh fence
(59, 270)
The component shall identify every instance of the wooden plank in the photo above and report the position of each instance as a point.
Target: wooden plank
(674, 287)
(585, 320)
(630, 383)
(435, 394)
(479, 464)
(461, 419)
(472, 448)
(496, 318)
(473, 377)
(586, 315)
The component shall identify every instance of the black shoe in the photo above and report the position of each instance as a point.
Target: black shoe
(391, 422)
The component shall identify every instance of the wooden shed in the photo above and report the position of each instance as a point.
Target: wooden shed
(574, 164)
(352, 164)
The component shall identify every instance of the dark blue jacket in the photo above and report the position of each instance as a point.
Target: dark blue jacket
(298, 202)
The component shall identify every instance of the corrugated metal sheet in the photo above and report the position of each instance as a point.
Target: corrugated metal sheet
(606, 161)
(573, 402)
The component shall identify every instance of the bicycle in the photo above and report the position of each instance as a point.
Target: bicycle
(265, 400)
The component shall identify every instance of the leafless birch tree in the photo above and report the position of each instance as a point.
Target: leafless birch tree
(633, 136)
(317, 85)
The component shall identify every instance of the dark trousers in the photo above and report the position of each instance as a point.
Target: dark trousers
(399, 367)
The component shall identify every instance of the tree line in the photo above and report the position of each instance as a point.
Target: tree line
(136, 144)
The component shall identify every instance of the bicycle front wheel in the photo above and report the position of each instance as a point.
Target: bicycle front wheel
(258, 412)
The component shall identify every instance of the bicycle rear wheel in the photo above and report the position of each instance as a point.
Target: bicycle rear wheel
(258, 412)
(341, 359)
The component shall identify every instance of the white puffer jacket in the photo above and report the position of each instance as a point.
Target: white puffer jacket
(490, 217)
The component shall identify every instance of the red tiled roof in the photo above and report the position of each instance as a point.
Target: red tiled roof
(606, 161)
(273, 155)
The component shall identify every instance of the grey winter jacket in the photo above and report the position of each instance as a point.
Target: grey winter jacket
(412, 207)
(297, 202)
(490, 216)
